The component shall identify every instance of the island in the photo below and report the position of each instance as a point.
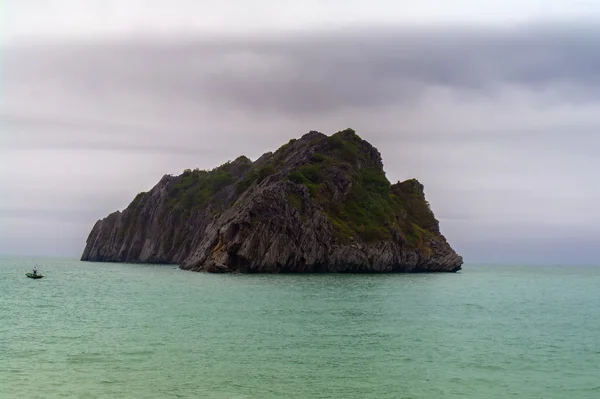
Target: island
(319, 204)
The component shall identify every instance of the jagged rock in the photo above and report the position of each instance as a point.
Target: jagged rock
(318, 204)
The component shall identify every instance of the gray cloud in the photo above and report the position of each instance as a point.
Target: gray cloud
(54, 19)
(315, 74)
(30, 133)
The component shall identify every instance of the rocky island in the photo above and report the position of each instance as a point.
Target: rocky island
(317, 204)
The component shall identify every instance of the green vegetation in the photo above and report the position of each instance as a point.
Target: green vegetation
(296, 201)
(373, 208)
(194, 189)
(240, 166)
(366, 210)
(318, 158)
(265, 172)
(416, 207)
(297, 177)
(310, 175)
(137, 199)
(242, 159)
(246, 182)
(279, 157)
(345, 145)
(254, 176)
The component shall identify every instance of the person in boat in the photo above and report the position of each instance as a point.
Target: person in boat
(35, 271)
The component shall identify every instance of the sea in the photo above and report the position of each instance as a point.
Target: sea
(99, 330)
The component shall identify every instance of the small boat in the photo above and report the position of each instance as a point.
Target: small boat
(31, 275)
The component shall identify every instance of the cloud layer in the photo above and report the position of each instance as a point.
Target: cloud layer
(325, 72)
(67, 19)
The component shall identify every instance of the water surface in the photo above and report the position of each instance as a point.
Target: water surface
(91, 330)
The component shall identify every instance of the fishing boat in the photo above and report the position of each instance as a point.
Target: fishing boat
(31, 275)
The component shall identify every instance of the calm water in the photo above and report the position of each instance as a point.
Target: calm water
(136, 331)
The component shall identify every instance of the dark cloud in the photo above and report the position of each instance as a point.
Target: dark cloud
(320, 73)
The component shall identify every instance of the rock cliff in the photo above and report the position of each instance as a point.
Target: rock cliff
(317, 204)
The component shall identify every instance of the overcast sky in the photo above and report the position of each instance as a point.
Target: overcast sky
(493, 105)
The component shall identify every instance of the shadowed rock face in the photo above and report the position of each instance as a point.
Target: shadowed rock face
(318, 204)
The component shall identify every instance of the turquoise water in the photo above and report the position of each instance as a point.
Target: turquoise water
(135, 331)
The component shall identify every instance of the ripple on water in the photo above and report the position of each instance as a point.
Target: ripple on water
(112, 330)
(89, 358)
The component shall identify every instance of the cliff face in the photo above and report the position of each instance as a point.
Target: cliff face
(318, 204)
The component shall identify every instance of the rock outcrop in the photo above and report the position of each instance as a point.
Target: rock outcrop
(318, 204)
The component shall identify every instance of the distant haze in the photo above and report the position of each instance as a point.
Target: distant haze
(495, 108)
